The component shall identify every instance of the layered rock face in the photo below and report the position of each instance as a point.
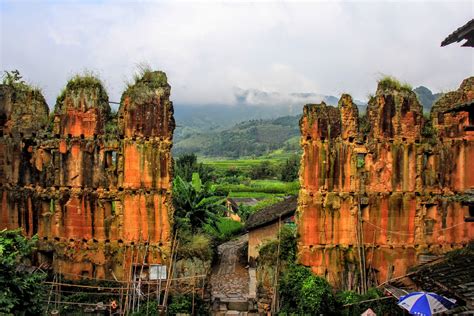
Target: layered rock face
(385, 192)
(96, 189)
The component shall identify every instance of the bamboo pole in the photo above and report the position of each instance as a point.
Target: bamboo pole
(50, 293)
(128, 281)
(275, 280)
(134, 293)
(141, 271)
(174, 248)
(121, 290)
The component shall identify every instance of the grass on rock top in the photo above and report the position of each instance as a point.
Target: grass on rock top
(389, 82)
(86, 80)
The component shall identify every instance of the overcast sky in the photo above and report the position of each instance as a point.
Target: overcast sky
(212, 51)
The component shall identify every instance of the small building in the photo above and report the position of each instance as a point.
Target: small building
(264, 225)
(232, 209)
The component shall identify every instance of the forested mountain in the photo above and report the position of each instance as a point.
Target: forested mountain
(249, 138)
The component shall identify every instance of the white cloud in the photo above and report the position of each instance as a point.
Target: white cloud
(210, 49)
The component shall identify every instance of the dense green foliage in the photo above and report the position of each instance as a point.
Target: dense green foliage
(20, 291)
(196, 204)
(187, 164)
(289, 170)
(184, 304)
(225, 230)
(287, 239)
(304, 293)
(194, 246)
(356, 303)
(389, 83)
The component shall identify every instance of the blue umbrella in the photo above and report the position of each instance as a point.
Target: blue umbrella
(425, 304)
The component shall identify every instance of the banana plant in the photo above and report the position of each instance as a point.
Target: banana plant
(196, 204)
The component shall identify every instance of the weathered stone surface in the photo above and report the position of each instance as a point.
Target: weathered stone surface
(407, 181)
(23, 110)
(94, 198)
(82, 108)
(394, 113)
(447, 115)
(349, 117)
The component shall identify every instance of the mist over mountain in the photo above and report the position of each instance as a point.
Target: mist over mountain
(250, 104)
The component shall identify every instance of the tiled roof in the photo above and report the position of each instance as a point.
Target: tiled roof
(464, 32)
(272, 213)
(452, 276)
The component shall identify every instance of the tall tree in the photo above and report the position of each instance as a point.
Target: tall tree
(290, 169)
(187, 164)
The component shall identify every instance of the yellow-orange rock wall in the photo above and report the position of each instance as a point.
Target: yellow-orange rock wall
(94, 198)
(409, 190)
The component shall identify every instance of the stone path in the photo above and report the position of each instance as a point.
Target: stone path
(230, 279)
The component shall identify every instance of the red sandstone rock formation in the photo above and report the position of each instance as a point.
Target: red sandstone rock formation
(93, 197)
(407, 181)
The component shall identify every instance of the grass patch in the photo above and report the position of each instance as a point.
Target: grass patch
(85, 80)
(389, 83)
(144, 80)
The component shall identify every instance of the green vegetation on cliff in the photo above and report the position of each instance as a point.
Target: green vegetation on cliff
(21, 292)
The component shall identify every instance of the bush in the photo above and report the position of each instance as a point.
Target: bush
(304, 293)
(288, 243)
(317, 296)
(228, 227)
(149, 308)
(180, 304)
(380, 307)
(187, 164)
(184, 304)
(289, 170)
(264, 170)
(267, 254)
(195, 246)
(21, 292)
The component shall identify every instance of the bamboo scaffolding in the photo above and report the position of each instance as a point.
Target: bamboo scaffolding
(125, 309)
(174, 248)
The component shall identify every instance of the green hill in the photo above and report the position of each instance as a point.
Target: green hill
(245, 139)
